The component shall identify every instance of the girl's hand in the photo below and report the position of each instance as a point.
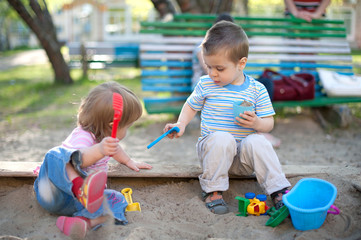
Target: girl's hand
(248, 119)
(109, 146)
(304, 15)
(174, 134)
(138, 165)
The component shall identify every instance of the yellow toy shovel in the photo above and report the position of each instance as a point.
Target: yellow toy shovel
(127, 192)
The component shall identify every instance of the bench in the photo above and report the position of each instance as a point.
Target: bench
(100, 55)
(286, 45)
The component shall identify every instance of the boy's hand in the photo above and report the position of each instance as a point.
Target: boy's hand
(138, 165)
(174, 134)
(248, 119)
(109, 146)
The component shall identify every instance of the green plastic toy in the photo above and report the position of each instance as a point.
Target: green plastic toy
(277, 216)
(242, 206)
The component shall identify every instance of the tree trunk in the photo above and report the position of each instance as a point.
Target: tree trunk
(41, 23)
(205, 6)
(193, 6)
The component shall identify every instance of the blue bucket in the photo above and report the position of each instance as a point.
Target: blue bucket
(309, 201)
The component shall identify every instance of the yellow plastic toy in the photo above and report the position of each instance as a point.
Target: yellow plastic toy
(256, 207)
(252, 204)
(127, 192)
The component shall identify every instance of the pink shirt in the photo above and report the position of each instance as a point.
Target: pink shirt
(79, 139)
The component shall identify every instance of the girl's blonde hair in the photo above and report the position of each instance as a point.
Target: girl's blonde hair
(96, 111)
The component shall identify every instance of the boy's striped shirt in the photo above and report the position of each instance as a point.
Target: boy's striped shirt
(216, 104)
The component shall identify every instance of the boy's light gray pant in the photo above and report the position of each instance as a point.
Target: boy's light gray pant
(220, 154)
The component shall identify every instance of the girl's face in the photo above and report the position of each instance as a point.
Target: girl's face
(122, 132)
(223, 71)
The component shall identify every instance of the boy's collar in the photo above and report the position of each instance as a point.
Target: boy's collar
(241, 87)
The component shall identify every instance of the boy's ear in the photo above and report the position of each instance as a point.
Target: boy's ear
(242, 63)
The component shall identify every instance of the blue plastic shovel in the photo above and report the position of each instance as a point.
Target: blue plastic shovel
(161, 137)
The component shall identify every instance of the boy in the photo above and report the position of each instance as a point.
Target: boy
(229, 146)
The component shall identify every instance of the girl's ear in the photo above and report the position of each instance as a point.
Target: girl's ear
(242, 63)
(111, 124)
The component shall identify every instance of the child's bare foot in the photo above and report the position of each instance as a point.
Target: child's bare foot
(215, 203)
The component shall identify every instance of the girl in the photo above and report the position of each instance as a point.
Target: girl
(72, 178)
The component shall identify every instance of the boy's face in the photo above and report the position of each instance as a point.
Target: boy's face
(223, 71)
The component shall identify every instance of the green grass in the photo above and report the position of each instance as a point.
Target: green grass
(16, 50)
(29, 98)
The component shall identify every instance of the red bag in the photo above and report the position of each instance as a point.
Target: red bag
(299, 86)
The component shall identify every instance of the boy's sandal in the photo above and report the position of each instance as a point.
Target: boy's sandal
(76, 161)
(216, 206)
(92, 192)
(277, 198)
(75, 227)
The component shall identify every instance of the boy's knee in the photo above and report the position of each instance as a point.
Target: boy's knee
(221, 139)
(255, 140)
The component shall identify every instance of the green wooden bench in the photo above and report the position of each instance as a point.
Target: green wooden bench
(101, 55)
(287, 45)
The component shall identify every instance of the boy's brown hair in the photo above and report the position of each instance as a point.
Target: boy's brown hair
(96, 111)
(228, 37)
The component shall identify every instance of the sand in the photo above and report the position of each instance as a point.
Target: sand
(172, 207)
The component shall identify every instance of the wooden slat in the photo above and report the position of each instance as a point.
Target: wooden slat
(170, 72)
(158, 63)
(299, 42)
(317, 102)
(290, 57)
(252, 41)
(209, 17)
(169, 170)
(252, 57)
(205, 26)
(159, 39)
(173, 48)
(296, 49)
(185, 32)
(172, 88)
(255, 49)
(297, 64)
(151, 81)
(164, 56)
(166, 99)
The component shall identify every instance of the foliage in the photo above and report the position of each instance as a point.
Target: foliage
(356, 59)
(29, 98)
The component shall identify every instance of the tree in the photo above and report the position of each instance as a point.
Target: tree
(4, 26)
(36, 15)
(165, 7)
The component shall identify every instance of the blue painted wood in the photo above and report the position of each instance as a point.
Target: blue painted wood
(299, 64)
(130, 48)
(186, 89)
(158, 63)
(152, 81)
(165, 100)
(186, 72)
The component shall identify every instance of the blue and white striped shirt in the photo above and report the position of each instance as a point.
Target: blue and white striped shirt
(216, 104)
